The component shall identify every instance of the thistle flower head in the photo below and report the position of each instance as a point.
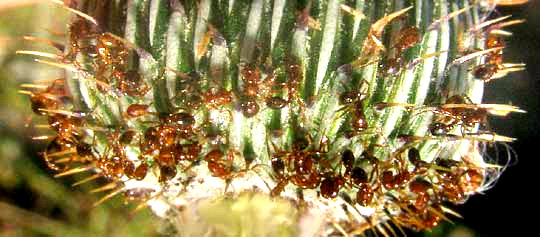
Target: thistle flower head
(359, 113)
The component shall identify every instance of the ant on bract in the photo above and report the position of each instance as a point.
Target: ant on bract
(456, 178)
(256, 89)
(494, 67)
(457, 111)
(301, 165)
(408, 36)
(352, 102)
(189, 95)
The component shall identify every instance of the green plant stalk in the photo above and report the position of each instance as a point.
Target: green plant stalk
(337, 47)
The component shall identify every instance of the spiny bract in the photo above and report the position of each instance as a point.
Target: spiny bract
(359, 112)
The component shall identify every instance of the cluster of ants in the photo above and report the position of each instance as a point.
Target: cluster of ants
(170, 142)
(493, 66)
(172, 138)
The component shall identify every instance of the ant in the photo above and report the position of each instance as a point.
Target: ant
(331, 185)
(409, 36)
(110, 54)
(183, 123)
(65, 126)
(494, 67)
(458, 110)
(221, 164)
(80, 30)
(420, 187)
(365, 194)
(137, 110)
(120, 164)
(448, 185)
(111, 167)
(218, 166)
(111, 50)
(57, 147)
(421, 219)
(295, 76)
(189, 152)
(150, 141)
(189, 92)
(214, 97)
(254, 87)
(276, 102)
(413, 156)
(48, 99)
(131, 83)
(166, 173)
(40, 102)
(249, 107)
(353, 102)
(299, 166)
(358, 177)
(140, 172)
(391, 179)
(171, 127)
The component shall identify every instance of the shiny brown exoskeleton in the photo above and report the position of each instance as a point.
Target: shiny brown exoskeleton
(131, 83)
(299, 166)
(166, 173)
(276, 102)
(189, 152)
(255, 89)
(57, 146)
(353, 103)
(219, 164)
(470, 180)
(420, 187)
(251, 77)
(409, 36)
(112, 167)
(365, 194)
(80, 30)
(347, 159)
(330, 186)
(493, 60)
(306, 173)
(295, 74)
(111, 50)
(65, 126)
(215, 98)
(43, 101)
(150, 141)
(395, 175)
(127, 137)
(413, 156)
(137, 110)
(249, 107)
(450, 117)
(183, 123)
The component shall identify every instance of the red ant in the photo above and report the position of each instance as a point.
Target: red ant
(458, 110)
(409, 36)
(299, 166)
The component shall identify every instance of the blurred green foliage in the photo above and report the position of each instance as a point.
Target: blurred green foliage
(32, 202)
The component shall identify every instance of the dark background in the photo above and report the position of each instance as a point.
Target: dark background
(511, 207)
